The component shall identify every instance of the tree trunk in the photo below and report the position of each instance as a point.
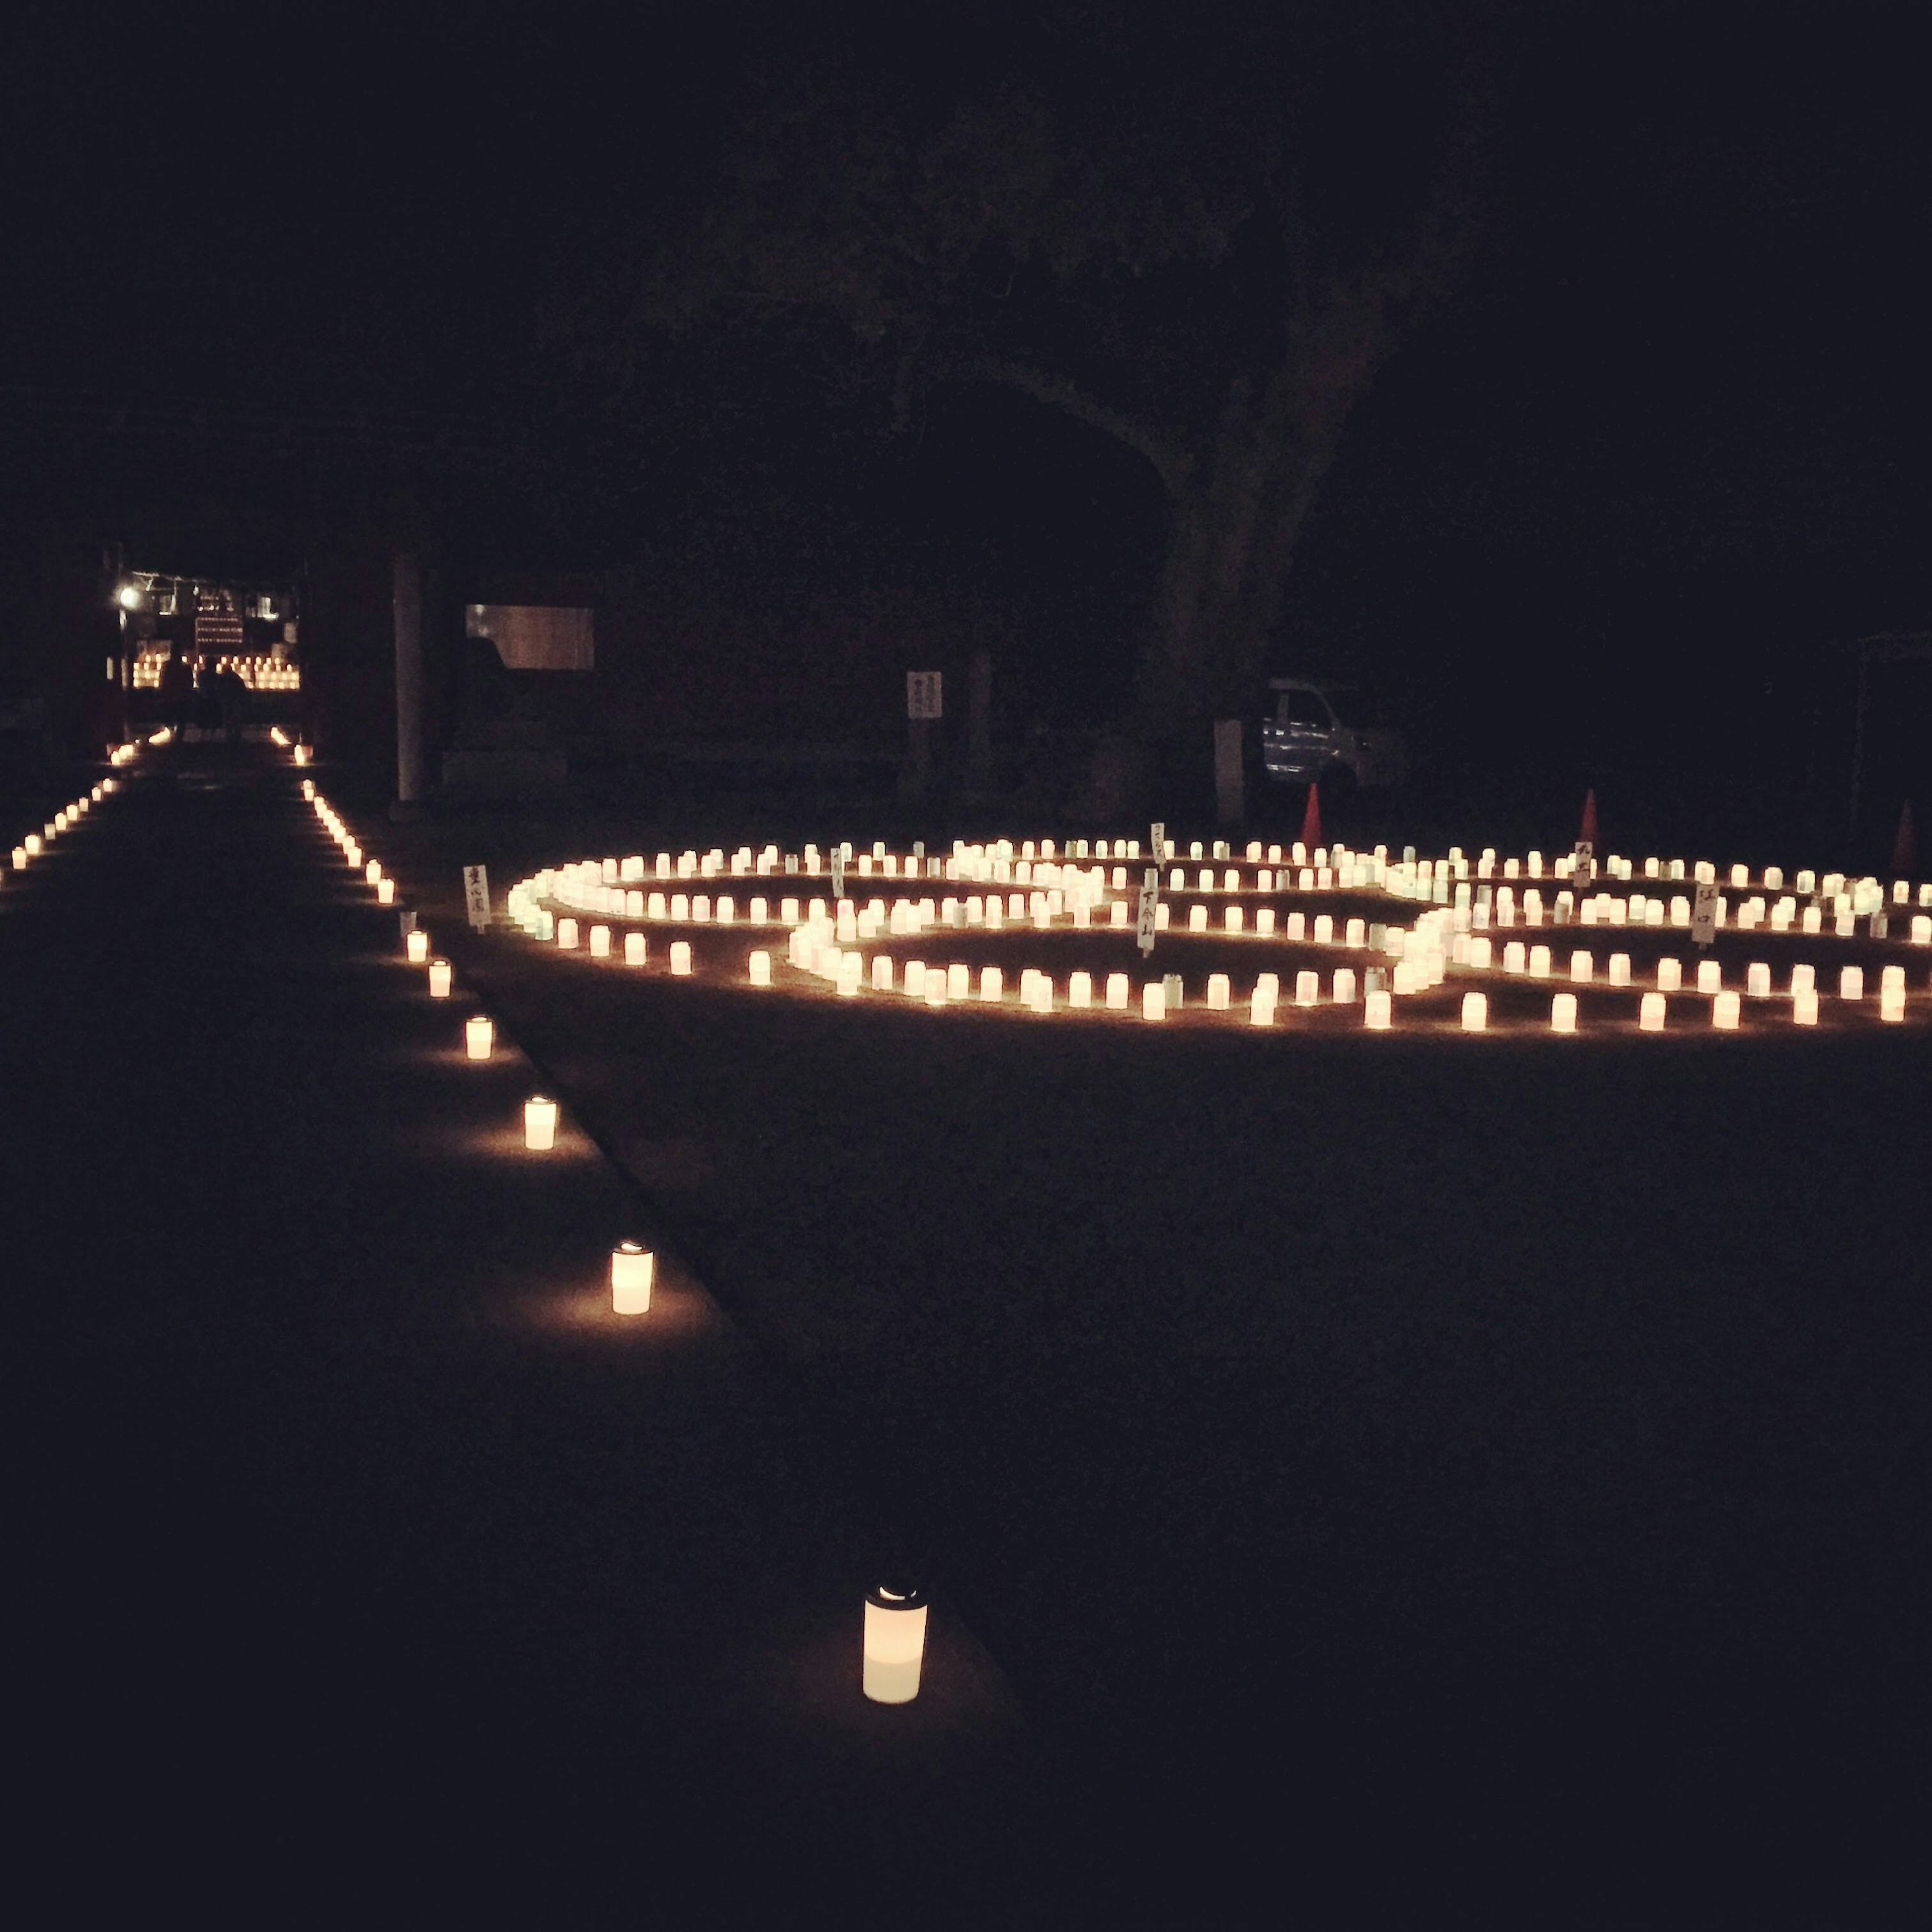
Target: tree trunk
(1236, 520)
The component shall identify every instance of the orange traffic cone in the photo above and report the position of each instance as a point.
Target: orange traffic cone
(1905, 846)
(1586, 834)
(1311, 819)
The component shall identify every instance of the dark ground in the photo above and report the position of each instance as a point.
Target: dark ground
(364, 1565)
(1418, 1488)
(1440, 1487)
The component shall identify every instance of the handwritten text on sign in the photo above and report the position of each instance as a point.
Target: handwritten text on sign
(1149, 911)
(925, 694)
(1704, 913)
(476, 895)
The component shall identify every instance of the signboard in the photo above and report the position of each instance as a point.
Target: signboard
(1158, 841)
(925, 695)
(476, 895)
(1150, 901)
(1583, 866)
(838, 871)
(1704, 913)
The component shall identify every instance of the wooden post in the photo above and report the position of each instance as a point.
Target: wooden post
(407, 608)
(1230, 804)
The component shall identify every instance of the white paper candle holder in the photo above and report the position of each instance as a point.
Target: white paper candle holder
(894, 1644)
(633, 1270)
(539, 1123)
(479, 1036)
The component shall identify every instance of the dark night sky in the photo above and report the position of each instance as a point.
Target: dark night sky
(1674, 419)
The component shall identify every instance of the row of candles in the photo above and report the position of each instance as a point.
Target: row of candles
(892, 1645)
(34, 844)
(1278, 869)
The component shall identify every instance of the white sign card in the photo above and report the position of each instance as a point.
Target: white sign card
(476, 895)
(1158, 841)
(1150, 901)
(838, 871)
(1704, 913)
(1583, 865)
(925, 694)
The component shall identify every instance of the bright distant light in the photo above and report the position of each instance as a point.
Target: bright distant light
(129, 597)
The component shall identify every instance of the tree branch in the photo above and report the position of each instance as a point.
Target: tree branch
(1172, 465)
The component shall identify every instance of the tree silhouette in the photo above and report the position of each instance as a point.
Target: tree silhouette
(1202, 237)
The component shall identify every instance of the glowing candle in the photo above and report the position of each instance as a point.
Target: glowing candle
(1539, 962)
(600, 942)
(1670, 976)
(1922, 931)
(1217, 992)
(1197, 919)
(1563, 1013)
(632, 1271)
(477, 1036)
(1475, 1012)
(1582, 966)
(539, 1124)
(386, 891)
(1080, 991)
(1153, 1001)
(1710, 976)
(1234, 919)
(1324, 930)
(1264, 921)
(372, 870)
(680, 958)
(850, 964)
(1516, 956)
(1375, 1012)
(1892, 995)
(637, 949)
(1651, 1015)
(33, 843)
(895, 1644)
(992, 984)
(1851, 983)
(1724, 1010)
(417, 945)
(1117, 992)
(1804, 1006)
(1757, 980)
(566, 934)
(439, 979)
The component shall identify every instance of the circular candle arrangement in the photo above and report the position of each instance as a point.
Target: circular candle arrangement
(1266, 936)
